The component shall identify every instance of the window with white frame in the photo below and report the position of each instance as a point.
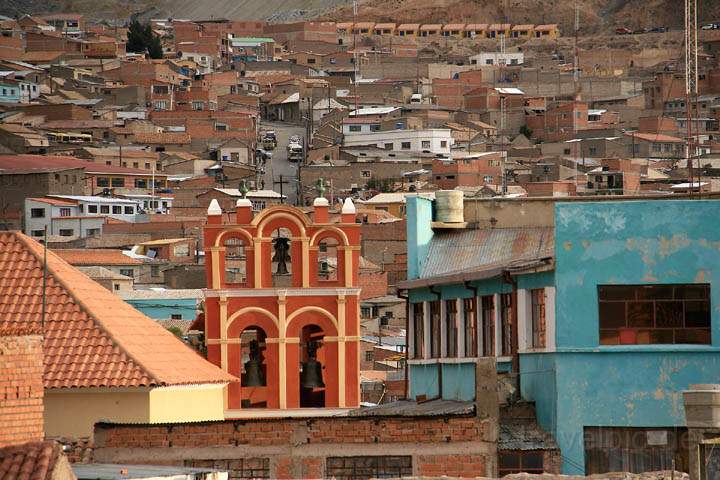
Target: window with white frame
(451, 328)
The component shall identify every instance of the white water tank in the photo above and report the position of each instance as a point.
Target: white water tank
(449, 206)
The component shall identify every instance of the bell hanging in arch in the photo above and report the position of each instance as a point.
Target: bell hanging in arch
(254, 376)
(311, 376)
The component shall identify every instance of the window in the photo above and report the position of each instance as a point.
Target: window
(366, 173)
(418, 329)
(161, 89)
(176, 316)
(37, 213)
(425, 144)
(117, 210)
(141, 183)
(116, 286)
(435, 329)
(311, 61)
(91, 232)
(38, 233)
(374, 127)
(92, 209)
(470, 325)
(103, 182)
(65, 212)
(129, 210)
(451, 328)
(537, 302)
(354, 128)
(118, 182)
(389, 146)
(654, 314)
(198, 105)
(128, 272)
(488, 325)
(592, 151)
(527, 461)
(656, 147)
(443, 143)
(405, 145)
(506, 313)
(369, 356)
(105, 209)
(365, 312)
(160, 105)
(347, 468)
(327, 259)
(67, 232)
(154, 271)
(637, 450)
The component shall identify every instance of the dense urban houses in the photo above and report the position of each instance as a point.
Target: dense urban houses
(598, 312)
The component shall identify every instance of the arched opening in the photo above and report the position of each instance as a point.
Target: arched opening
(235, 262)
(312, 364)
(253, 368)
(327, 259)
(281, 259)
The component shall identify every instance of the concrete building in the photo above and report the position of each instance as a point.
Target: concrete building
(498, 58)
(600, 310)
(435, 141)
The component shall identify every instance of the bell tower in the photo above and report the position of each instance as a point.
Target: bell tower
(282, 305)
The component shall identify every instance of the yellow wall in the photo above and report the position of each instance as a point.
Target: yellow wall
(74, 412)
(192, 403)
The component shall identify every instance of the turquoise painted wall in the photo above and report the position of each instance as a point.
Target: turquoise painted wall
(160, 309)
(424, 380)
(419, 233)
(584, 384)
(458, 381)
(9, 93)
(673, 241)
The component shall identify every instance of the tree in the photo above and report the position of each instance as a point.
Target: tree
(525, 130)
(141, 39)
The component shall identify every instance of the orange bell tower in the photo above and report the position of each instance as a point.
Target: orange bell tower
(282, 305)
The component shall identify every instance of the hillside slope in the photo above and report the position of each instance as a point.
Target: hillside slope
(596, 15)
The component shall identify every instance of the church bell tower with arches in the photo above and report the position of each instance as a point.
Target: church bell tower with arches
(282, 305)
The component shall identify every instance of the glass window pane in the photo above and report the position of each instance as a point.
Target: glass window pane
(612, 314)
(509, 460)
(697, 314)
(640, 314)
(668, 314)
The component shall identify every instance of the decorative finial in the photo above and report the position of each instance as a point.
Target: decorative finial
(320, 186)
(243, 188)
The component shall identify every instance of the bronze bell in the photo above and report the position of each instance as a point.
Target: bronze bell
(311, 376)
(254, 376)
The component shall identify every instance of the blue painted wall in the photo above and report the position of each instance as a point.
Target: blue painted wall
(419, 233)
(585, 384)
(160, 309)
(9, 93)
(673, 241)
(424, 380)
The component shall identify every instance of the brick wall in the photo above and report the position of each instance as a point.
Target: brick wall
(373, 285)
(298, 448)
(21, 389)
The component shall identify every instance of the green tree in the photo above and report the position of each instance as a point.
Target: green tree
(141, 39)
(176, 331)
(525, 130)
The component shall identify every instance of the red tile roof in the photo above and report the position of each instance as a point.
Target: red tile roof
(53, 201)
(29, 461)
(655, 137)
(91, 337)
(98, 256)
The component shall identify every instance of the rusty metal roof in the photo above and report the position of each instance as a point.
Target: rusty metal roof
(483, 249)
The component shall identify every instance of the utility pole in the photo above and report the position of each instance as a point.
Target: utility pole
(691, 81)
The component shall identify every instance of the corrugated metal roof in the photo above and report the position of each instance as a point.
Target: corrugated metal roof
(470, 250)
(524, 435)
(408, 408)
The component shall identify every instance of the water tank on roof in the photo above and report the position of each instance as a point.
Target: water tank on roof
(449, 206)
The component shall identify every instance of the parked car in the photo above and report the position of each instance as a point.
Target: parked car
(623, 31)
(269, 140)
(659, 29)
(711, 26)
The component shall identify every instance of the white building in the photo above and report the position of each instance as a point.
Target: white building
(498, 58)
(437, 141)
(75, 216)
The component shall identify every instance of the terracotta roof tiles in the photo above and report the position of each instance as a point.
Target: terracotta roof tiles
(29, 461)
(91, 337)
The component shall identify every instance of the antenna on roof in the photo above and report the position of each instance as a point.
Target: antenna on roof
(44, 283)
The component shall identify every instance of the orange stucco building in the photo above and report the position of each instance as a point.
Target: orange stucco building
(284, 281)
